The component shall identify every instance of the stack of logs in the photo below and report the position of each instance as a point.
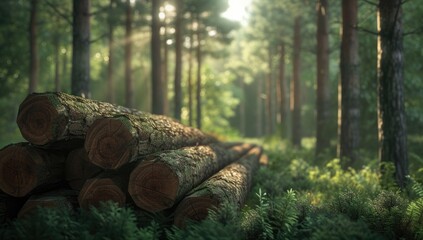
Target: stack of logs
(81, 152)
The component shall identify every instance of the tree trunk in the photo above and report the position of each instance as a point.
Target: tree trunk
(322, 102)
(129, 98)
(242, 107)
(178, 59)
(33, 49)
(161, 180)
(295, 96)
(50, 117)
(59, 199)
(391, 114)
(199, 66)
(23, 168)
(190, 84)
(157, 81)
(110, 69)
(282, 91)
(230, 185)
(56, 44)
(113, 142)
(259, 120)
(78, 169)
(268, 121)
(165, 70)
(81, 49)
(350, 85)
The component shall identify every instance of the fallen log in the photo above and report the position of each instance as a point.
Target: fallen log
(230, 185)
(162, 179)
(24, 168)
(78, 169)
(61, 199)
(45, 118)
(113, 142)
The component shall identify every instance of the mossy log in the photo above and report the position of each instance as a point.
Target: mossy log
(108, 186)
(162, 179)
(230, 185)
(45, 118)
(78, 169)
(113, 142)
(10, 206)
(24, 168)
(61, 199)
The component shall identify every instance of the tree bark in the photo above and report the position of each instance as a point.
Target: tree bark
(23, 168)
(230, 185)
(33, 49)
(129, 98)
(56, 40)
(259, 116)
(199, 66)
(50, 117)
(178, 59)
(60, 199)
(323, 96)
(110, 65)
(78, 169)
(81, 49)
(269, 117)
(113, 142)
(165, 70)
(161, 180)
(295, 96)
(190, 84)
(157, 81)
(350, 85)
(282, 91)
(391, 114)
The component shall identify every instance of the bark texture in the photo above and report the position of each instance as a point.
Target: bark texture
(391, 114)
(350, 85)
(33, 48)
(61, 199)
(49, 117)
(296, 86)
(157, 81)
(78, 169)
(129, 89)
(113, 142)
(161, 180)
(178, 58)
(24, 168)
(230, 185)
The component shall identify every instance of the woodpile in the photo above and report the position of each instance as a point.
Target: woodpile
(81, 152)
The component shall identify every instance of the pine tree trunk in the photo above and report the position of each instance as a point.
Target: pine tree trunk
(165, 70)
(113, 142)
(157, 81)
(129, 88)
(33, 49)
(190, 84)
(296, 98)
(230, 185)
(259, 115)
(162, 179)
(282, 91)
(81, 49)
(350, 85)
(391, 114)
(199, 66)
(50, 117)
(110, 69)
(178, 59)
(56, 41)
(322, 102)
(23, 168)
(60, 199)
(78, 169)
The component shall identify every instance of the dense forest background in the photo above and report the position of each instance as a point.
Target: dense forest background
(235, 76)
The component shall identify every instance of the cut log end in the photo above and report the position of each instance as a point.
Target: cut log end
(17, 171)
(153, 186)
(109, 143)
(194, 209)
(39, 120)
(98, 190)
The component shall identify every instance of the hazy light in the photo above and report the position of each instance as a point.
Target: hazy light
(98, 55)
(212, 33)
(237, 10)
(169, 42)
(169, 7)
(162, 16)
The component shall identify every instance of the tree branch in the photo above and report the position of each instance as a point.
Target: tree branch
(372, 3)
(100, 37)
(366, 30)
(58, 12)
(415, 31)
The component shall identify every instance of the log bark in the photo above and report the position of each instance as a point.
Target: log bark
(63, 199)
(113, 142)
(49, 117)
(161, 180)
(230, 185)
(24, 168)
(78, 169)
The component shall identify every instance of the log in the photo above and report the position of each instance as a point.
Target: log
(10, 206)
(230, 185)
(108, 186)
(23, 168)
(78, 169)
(45, 118)
(162, 179)
(63, 199)
(113, 142)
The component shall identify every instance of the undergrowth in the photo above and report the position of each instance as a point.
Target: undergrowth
(291, 198)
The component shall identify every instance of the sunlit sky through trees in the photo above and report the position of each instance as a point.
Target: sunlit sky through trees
(238, 10)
